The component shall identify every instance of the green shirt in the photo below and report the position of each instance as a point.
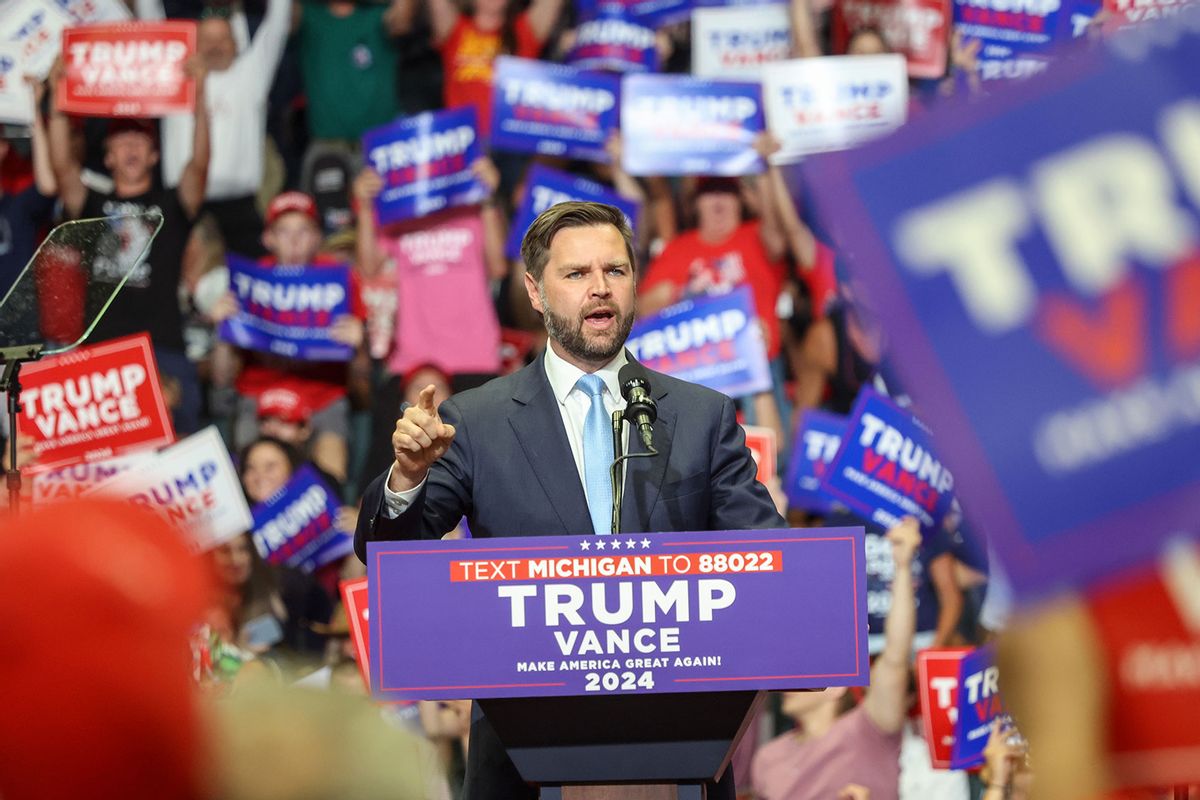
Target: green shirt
(349, 65)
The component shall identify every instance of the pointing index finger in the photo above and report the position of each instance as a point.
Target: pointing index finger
(425, 399)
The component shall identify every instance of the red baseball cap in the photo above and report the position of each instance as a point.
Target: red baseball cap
(283, 404)
(292, 202)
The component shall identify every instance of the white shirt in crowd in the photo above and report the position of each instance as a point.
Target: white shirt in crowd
(237, 107)
(573, 405)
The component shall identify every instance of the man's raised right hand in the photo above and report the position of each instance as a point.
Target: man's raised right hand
(420, 439)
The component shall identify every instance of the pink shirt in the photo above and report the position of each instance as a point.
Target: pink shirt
(444, 313)
(854, 751)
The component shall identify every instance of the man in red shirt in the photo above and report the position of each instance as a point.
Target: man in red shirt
(724, 252)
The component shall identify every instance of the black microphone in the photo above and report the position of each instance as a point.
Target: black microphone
(640, 408)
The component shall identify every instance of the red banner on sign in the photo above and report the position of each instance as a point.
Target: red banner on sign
(354, 600)
(1148, 626)
(761, 443)
(937, 684)
(128, 70)
(94, 403)
(917, 28)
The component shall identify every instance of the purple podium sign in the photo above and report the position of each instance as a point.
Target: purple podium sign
(604, 615)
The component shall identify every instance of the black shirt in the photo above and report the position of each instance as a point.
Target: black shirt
(149, 301)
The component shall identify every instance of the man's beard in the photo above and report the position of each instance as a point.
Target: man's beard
(597, 350)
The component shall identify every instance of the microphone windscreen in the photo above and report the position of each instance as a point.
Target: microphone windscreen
(631, 375)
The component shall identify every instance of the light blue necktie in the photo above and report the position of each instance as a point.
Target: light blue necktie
(597, 455)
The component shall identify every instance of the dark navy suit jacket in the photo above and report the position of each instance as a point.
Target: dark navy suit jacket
(511, 473)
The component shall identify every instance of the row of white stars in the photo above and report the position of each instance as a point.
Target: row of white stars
(615, 544)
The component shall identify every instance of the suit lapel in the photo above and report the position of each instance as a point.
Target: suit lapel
(644, 476)
(538, 424)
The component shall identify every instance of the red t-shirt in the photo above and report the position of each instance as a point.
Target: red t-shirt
(318, 382)
(693, 267)
(467, 57)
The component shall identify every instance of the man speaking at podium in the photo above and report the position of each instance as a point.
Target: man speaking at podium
(528, 454)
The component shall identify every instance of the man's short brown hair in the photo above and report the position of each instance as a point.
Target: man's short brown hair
(535, 247)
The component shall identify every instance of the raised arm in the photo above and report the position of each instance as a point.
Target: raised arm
(398, 19)
(367, 186)
(542, 16)
(64, 165)
(495, 228)
(886, 701)
(266, 48)
(443, 16)
(194, 180)
(804, 32)
(43, 170)
(770, 228)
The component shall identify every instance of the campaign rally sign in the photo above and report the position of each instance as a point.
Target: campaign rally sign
(73, 480)
(763, 446)
(937, 690)
(356, 603)
(918, 29)
(615, 42)
(886, 468)
(191, 484)
(16, 96)
(132, 69)
(425, 162)
(638, 613)
(553, 109)
(678, 125)
(651, 13)
(815, 105)
(94, 403)
(288, 311)
(295, 526)
(86, 12)
(545, 187)
(1015, 38)
(1057, 362)
(715, 341)
(1147, 628)
(735, 43)
(1123, 13)
(36, 27)
(818, 439)
(978, 704)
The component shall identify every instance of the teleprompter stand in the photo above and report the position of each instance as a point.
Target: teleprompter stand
(633, 747)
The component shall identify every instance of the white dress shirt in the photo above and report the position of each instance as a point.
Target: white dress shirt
(573, 405)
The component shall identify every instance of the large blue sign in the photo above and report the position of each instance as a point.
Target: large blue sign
(713, 341)
(607, 615)
(426, 163)
(553, 109)
(818, 439)
(616, 42)
(288, 311)
(886, 468)
(545, 187)
(978, 704)
(676, 125)
(1042, 301)
(295, 526)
